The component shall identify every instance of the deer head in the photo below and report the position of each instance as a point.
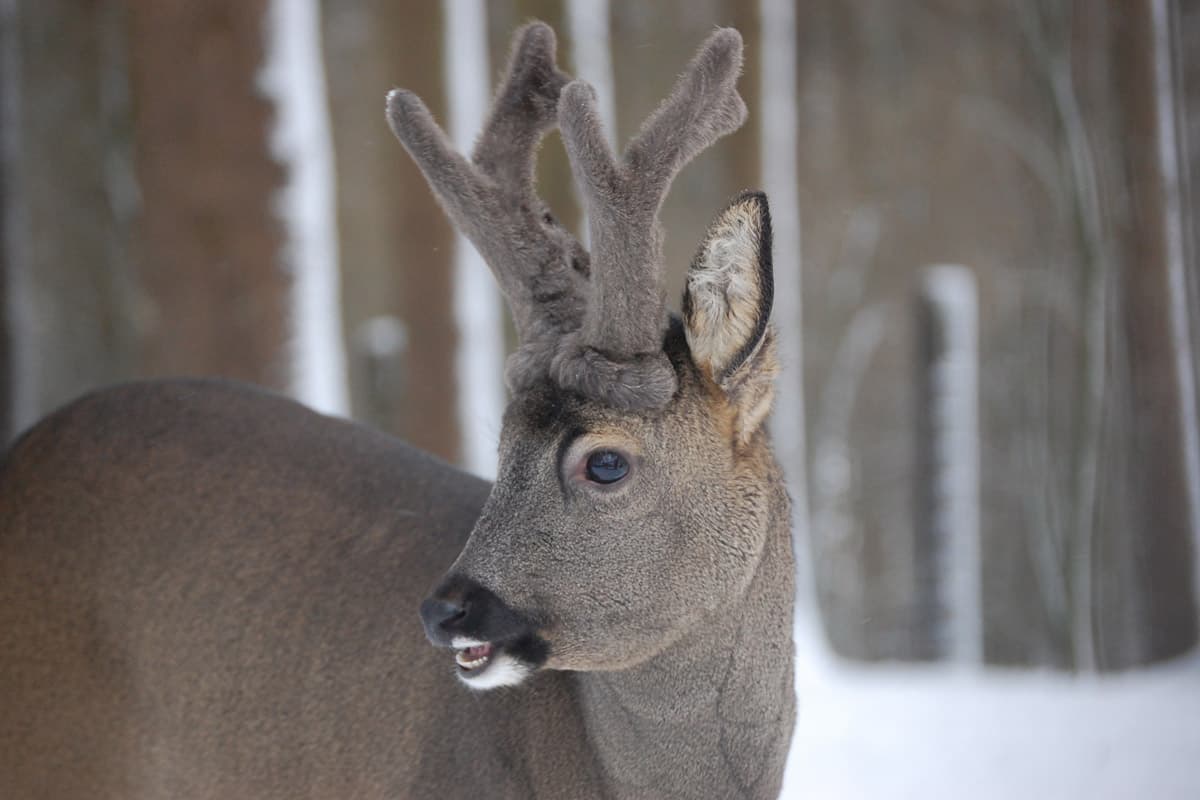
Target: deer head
(635, 478)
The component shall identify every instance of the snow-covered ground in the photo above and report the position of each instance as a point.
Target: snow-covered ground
(931, 732)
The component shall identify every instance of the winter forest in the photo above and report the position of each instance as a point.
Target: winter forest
(987, 297)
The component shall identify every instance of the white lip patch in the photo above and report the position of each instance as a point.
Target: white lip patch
(503, 671)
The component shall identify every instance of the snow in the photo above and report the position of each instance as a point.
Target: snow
(931, 732)
(477, 310)
(293, 77)
(863, 731)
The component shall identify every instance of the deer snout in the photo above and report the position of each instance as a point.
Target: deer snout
(462, 609)
(441, 617)
(494, 644)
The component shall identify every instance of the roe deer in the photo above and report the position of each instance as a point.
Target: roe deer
(210, 591)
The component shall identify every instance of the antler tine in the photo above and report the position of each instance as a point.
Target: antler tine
(541, 268)
(525, 108)
(617, 355)
(703, 106)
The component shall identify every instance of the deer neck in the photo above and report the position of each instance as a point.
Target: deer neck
(712, 715)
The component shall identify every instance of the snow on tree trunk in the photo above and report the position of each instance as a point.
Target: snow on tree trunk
(480, 359)
(777, 144)
(949, 594)
(293, 76)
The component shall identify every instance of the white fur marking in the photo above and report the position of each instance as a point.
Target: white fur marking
(503, 671)
(724, 289)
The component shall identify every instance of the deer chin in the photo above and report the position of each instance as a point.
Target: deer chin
(484, 665)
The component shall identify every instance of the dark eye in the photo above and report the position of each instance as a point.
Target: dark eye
(606, 466)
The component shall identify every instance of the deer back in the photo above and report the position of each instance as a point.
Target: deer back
(209, 591)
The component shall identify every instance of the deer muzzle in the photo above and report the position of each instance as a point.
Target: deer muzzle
(494, 644)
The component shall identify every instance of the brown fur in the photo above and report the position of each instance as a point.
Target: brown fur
(207, 591)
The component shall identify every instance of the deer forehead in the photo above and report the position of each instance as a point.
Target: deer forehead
(547, 411)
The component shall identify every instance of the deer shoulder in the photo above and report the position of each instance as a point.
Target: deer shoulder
(209, 591)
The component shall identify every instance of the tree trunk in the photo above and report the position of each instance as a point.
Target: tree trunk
(1161, 430)
(1186, 58)
(217, 298)
(9, 97)
(68, 200)
(396, 246)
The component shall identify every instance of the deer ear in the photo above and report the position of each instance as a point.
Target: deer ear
(726, 307)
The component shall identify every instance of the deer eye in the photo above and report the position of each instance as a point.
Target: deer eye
(606, 466)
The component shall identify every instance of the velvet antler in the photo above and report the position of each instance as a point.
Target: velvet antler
(603, 338)
(617, 354)
(541, 268)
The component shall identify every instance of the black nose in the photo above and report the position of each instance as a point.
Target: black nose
(460, 606)
(442, 617)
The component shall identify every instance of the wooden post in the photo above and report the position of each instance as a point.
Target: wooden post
(948, 591)
(378, 358)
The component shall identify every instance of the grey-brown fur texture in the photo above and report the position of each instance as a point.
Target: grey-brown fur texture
(541, 268)
(207, 591)
(730, 290)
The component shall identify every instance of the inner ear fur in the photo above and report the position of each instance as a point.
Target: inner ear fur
(730, 289)
(727, 305)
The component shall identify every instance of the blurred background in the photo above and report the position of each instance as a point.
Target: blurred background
(987, 290)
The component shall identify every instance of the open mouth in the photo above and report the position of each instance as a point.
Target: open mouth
(473, 658)
(486, 665)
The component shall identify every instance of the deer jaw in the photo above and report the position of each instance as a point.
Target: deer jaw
(605, 578)
(635, 483)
